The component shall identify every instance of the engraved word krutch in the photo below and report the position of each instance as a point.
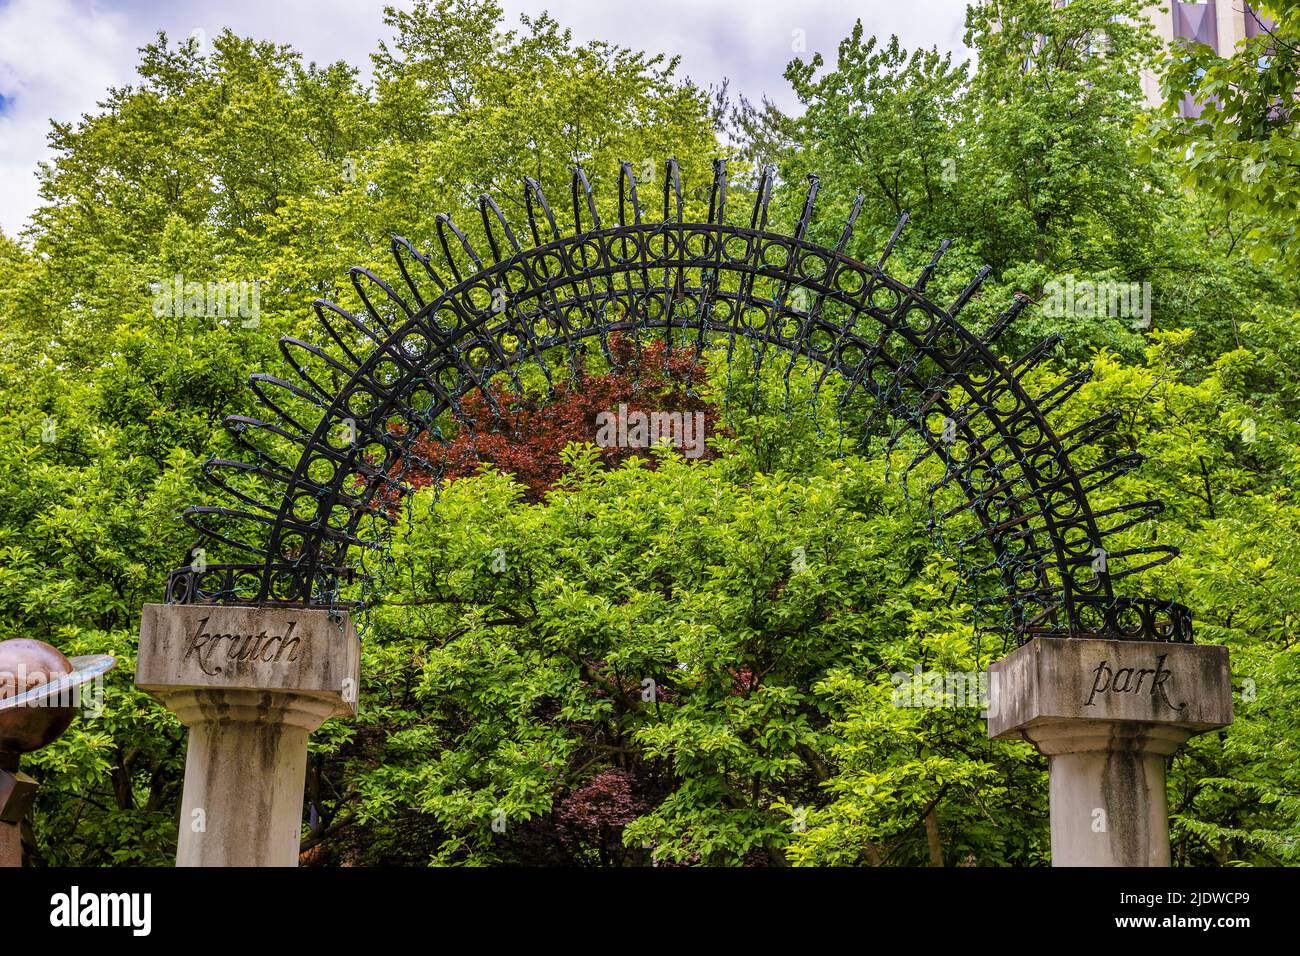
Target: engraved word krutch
(206, 647)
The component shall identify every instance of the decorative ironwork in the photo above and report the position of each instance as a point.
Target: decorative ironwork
(310, 488)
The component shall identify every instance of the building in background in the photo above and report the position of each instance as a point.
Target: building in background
(1219, 24)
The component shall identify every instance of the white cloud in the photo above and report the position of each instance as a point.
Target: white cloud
(56, 60)
(58, 57)
(751, 41)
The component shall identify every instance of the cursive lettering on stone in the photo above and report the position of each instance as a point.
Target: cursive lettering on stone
(205, 647)
(1129, 680)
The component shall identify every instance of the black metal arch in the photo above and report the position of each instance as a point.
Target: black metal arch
(410, 356)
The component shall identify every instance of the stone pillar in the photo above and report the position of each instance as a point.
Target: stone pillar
(1108, 715)
(250, 684)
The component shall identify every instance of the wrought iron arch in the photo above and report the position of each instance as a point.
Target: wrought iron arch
(411, 356)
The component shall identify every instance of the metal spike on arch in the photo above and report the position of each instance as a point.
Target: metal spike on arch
(329, 453)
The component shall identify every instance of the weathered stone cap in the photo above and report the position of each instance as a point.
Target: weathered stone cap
(1052, 678)
(304, 651)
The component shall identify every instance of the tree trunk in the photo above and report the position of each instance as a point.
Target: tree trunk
(932, 838)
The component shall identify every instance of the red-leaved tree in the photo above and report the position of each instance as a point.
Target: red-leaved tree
(524, 436)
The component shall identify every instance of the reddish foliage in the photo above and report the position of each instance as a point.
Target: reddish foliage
(743, 681)
(527, 436)
(595, 812)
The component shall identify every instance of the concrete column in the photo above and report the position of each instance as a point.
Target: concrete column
(1230, 25)
(250, 684)
(1108, 715)
(244, 775)
(1162, 16)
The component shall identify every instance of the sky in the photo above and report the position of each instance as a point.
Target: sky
(59, 57)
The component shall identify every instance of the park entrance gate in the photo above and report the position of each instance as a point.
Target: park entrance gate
(275, 572)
